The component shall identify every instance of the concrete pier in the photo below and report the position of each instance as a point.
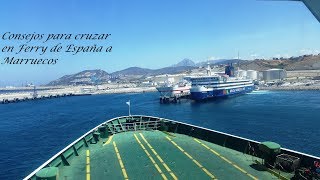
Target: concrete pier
(173, 98)
(30, 97)
(12, 95)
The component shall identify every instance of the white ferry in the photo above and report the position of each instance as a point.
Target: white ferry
(172, 90)
(219, 85)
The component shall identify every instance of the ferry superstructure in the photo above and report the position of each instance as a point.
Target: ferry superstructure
(172, 92)
(174, 89)
(219, 85)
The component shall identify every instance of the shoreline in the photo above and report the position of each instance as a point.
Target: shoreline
(75, 91)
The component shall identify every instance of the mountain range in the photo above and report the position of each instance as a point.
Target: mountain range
(87, 77)
(305, 62)
(98, 76)
(91, 77)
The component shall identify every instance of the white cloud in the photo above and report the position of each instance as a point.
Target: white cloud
(286, 55)
(254, 55)
(282, 56)
(211, 58)
(309, 51)
(277, 56)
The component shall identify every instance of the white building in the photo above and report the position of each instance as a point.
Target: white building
(241, 73)
(273, 74)
(252, 74)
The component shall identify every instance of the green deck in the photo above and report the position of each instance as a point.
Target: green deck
(159, 155)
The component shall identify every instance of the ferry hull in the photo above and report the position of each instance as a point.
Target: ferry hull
(202, 95)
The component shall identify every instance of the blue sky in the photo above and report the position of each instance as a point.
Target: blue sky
(154, 34)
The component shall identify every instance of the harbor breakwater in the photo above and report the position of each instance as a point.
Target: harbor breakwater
(24, 98)
(22, 95)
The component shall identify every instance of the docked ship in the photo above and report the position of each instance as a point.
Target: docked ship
(146, 147)
(215, 85)
(172, 92)
(170, 89)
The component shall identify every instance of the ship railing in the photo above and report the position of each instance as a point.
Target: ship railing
(135, 126)
(68, 151)
(146, 125)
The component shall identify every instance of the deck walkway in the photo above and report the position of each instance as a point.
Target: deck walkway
(159, 155)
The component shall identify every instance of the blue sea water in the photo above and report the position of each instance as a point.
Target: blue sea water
(32, 132)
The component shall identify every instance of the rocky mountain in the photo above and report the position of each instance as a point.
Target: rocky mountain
(185, 62)
(306, 62)
(87, 77)
(133, 71)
